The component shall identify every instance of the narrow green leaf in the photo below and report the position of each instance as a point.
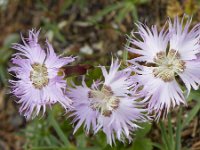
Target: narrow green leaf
(81, 3)
(194, 95)
(3, 75)
(65, 6)
(58, 129)
(54, 140)
(178, 131)
(105, 11)
(125, 52)
(164, 136)
(122, 14)
(157, 145)
(170, 131)
(134, 13)
(191, 115)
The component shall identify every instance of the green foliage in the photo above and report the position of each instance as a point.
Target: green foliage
(39, 133)
(172, 140)
(144, 144)
(5, 53)
(54, 31)
(191, 115)
(194, 95)
(66, 4)
(52, 134)
(93, 75)
(105, 11)
(140, 138)
(122, 8)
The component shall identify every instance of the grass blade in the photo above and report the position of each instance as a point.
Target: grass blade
(58, 129)
(170, 131)
(164, 136)
(191, 115)
(105, 11)
(178, 131)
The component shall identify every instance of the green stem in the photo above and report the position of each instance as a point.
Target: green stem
(178, 131)
(164, 135)
(58, 129)
(170, 130)
(125, 53)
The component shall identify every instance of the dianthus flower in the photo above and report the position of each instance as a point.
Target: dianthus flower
(38, 81)
(109, 105)
(165, 59)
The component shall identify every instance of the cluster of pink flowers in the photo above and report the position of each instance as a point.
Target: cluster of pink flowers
(143, 91)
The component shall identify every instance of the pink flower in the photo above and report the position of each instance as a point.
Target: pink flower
(38, 83)
(161, 68)
(109, 105)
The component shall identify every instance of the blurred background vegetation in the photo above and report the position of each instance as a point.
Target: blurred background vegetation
(93, 30)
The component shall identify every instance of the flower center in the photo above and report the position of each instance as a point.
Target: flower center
(168, 65)
(104, 101)
(39, 76)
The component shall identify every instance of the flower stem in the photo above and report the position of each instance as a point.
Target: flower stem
(58, 129)
(164, 135)
(125, 52)
(178, 131)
